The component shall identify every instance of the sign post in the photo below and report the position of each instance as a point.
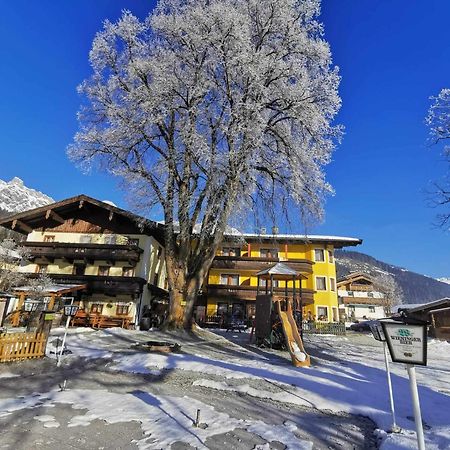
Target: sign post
(69, 311)
(378, 334)
(408, 344)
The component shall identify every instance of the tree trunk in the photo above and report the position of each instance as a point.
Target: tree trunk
(177, 288)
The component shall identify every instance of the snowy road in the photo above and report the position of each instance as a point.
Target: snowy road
(247, 397)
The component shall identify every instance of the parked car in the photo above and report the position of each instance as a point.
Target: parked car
(362, 326)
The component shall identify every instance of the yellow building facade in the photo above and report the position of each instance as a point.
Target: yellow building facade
(232, 283)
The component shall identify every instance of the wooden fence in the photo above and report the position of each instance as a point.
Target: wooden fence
(335, 328)
(18, 346)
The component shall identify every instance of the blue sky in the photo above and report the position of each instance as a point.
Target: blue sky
(392, 55)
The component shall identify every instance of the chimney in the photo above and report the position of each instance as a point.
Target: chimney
(262, 230)
(275, 230)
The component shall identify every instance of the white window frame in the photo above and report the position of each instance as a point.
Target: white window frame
(333, 314)
(328, 312)
(223, 275)
(323, 253)
(332, 280)
(326, 284)
(331, 256)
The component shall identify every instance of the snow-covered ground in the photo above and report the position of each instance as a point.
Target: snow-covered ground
(347, 376)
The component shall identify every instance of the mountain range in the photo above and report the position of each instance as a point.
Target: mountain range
(416, 288)
(16, 197)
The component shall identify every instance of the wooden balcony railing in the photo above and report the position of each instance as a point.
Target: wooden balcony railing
(71, 251)
(99, 284)
(258, 263)
(250, 292)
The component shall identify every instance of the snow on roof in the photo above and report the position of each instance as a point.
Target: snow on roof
(54, 288)
(298, 237)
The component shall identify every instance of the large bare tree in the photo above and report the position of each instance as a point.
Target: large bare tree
(209, 107)
(438, 120)
(392, 292)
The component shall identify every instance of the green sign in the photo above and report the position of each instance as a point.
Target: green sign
(49, 316)
(407, 343)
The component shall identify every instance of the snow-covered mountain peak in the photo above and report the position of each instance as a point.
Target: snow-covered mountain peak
(444, 280)
(16, 197)
(16, 181)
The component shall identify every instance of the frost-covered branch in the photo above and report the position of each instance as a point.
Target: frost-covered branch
(209, 107)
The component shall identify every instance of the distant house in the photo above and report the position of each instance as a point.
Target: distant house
(437, 313)
(358, 299)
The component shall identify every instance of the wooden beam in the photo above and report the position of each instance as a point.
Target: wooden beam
(56, 217)
(19, 224)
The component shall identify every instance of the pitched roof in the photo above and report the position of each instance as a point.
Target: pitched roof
(279, 271)
(85, 208)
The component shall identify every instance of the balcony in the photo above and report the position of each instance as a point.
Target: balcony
(89, 252)
(249, 292)
(98, 284)
(361, 287)
(258, 263)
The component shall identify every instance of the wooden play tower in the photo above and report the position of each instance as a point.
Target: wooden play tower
(269, 305)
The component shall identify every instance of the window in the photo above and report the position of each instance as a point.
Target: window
(122, 309)
(231, 251)
(79, 269)
(268, 252)
(127, 271)
(319, 255)
(332, 284)
(322, 313)
(335, 315)
(331, 256)
(110, 239)
(263, 282)
(132, 241)
(229, 279)
(372, 309)
(49, 238)
(103, 271)
(42, 268)
(85, 239)
(321, 284)
(97, 308)
(370, 294)
(350, 293)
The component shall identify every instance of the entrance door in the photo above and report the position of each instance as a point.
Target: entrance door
(238, 310)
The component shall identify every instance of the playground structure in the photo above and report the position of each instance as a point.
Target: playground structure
(274, 312)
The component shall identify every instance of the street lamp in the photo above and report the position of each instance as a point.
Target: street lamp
(69, 311)
(30, 305)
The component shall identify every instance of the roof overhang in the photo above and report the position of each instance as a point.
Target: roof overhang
(85, 208)
(336, 241)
